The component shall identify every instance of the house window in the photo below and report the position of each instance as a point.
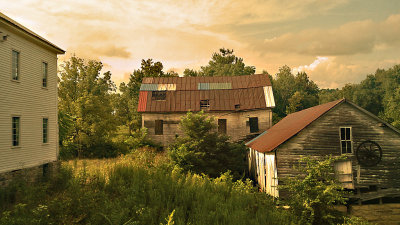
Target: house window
(45, 129)
(15, 131)
(346, 140)
(15, 65)
(222, 126)
(204, 104)
(44, 74)
(158, 95)
(253, 121)
(158, 127)
(237, 106)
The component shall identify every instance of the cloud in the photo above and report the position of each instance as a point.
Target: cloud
(357, 37)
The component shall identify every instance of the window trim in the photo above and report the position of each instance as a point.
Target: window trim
(351, 140)
(47, 74)
(12, 131)
(18, 66)
(47, 130)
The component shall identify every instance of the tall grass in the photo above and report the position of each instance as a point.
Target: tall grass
(139, 188)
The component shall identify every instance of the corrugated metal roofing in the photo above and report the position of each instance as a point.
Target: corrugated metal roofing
(289, 126)
(224, 93)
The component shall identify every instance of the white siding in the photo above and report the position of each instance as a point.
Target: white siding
(266, 172)
(26, 98)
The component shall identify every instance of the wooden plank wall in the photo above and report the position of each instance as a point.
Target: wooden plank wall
(321, 138)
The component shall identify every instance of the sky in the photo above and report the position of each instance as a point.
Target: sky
(334, 42)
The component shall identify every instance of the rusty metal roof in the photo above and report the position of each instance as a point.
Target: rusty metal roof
(289, 126)
(224, 93)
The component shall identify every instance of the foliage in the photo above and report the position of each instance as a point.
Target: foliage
(292, 92)
(84, 95)
(377, 93)
(126, 102)
(313, 193)
(203, 150)
(224, 63)
(139, 188)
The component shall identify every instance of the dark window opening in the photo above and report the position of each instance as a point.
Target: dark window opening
(204, 104)
(237, 106)
(45, 129)
(253, 121)
(44, 73)
(222, 126)
(15, 131)
(158, 127)
(158, 95)
(345, 140)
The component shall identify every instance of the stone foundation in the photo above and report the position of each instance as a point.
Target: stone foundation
(31, 175)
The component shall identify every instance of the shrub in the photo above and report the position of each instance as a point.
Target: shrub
(203, 150)
(313, 193)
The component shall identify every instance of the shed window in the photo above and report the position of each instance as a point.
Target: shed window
(45, 130)
(204, 104)
(253, 121)
(15, 131)
(158, 95)
(346, 140)
(222, 126)
(15, 65)
(158, 127)
(44, 74)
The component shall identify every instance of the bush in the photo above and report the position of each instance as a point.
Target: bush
(313, 193)
(203, 150)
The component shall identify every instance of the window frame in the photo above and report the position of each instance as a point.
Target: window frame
(45, 139)
(17, 133)
(45, 74)
(18, 66)
(205, 104)
(221, 123)
(346, 140)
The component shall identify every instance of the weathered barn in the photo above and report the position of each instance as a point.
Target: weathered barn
(241, 104)
(371, 145)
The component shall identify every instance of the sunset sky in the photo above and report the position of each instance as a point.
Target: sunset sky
(335, 42)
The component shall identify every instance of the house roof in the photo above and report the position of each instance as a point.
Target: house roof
(295, 122)
(228, 93)
(29, 32)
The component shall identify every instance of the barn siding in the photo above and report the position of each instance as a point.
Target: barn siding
(237, 123)
(321, 138)
(26, 98)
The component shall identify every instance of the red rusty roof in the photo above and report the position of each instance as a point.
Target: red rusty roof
(289, 126)
(224, 93)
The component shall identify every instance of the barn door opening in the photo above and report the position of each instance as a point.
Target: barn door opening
(344, 173)
(222, 126)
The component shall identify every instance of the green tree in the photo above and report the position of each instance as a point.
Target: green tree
(392, 109)
(313, 193)
(126, 106)
(223, 63)
(84, 94)
(203, 150)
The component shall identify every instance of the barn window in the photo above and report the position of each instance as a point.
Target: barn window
(158, 127)
(15, 65)
(44, 74)
(346, 144)
(222, 126)
(15, 131)
(253, 121)
(204, 104)
(158, 95)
